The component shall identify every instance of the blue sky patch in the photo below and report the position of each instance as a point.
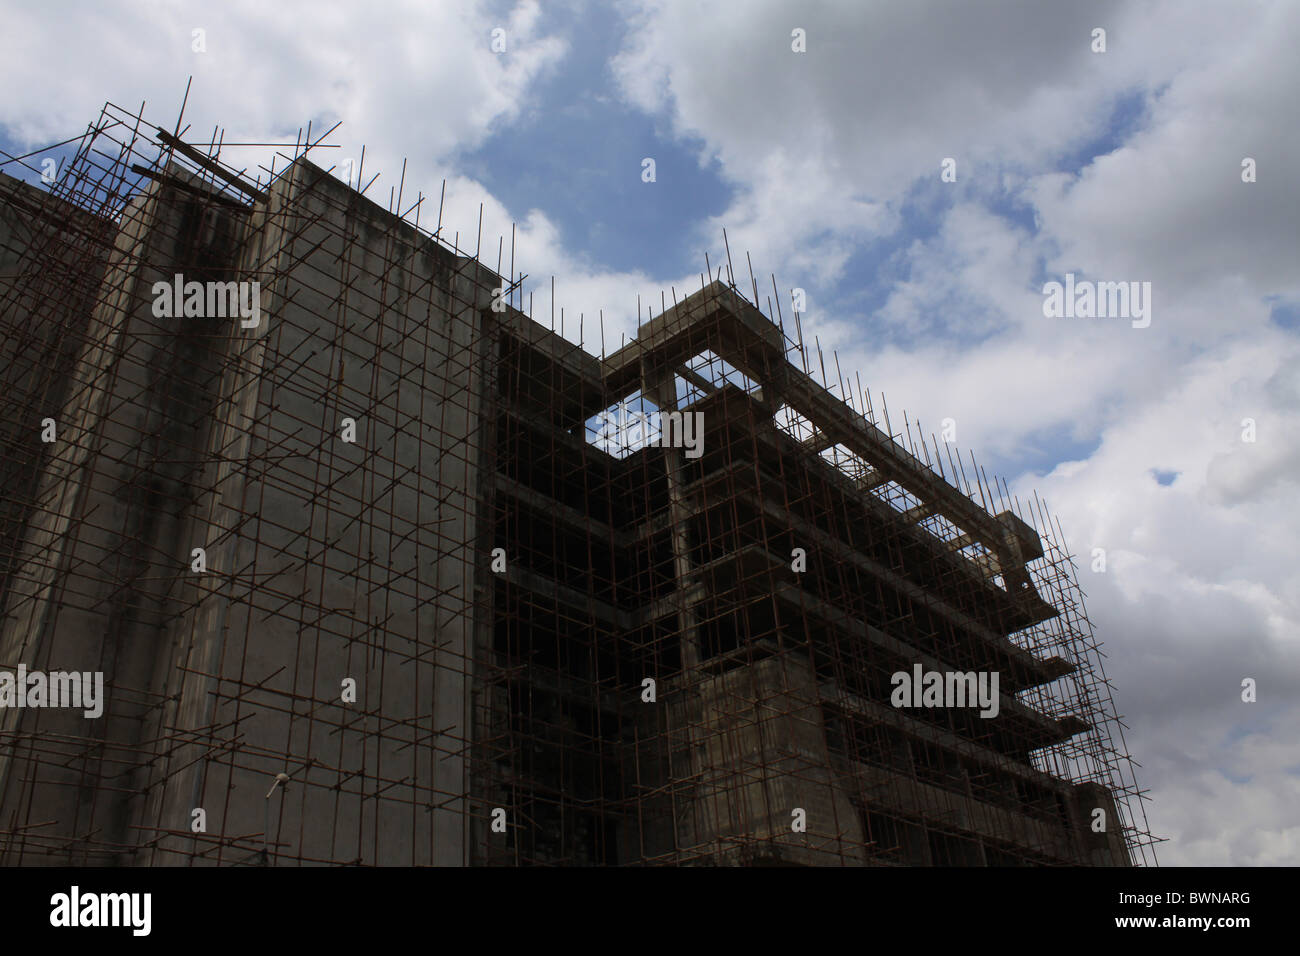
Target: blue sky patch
(575, 152)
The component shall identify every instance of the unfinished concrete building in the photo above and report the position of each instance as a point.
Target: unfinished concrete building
(366, 586)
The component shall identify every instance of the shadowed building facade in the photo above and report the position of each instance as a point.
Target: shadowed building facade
(372, 543)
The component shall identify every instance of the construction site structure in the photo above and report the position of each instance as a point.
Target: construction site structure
(368, 583)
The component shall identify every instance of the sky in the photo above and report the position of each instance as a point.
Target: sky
(1171, 445)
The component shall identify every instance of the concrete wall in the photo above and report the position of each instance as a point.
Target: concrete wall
(1104, 848)
(330, 560)
(760, 754)
(326, 560)
(90, 590)
(47, 289)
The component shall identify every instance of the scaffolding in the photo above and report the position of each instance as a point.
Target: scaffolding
(371, 580)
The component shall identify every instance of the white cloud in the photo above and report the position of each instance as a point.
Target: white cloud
(421, 76)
